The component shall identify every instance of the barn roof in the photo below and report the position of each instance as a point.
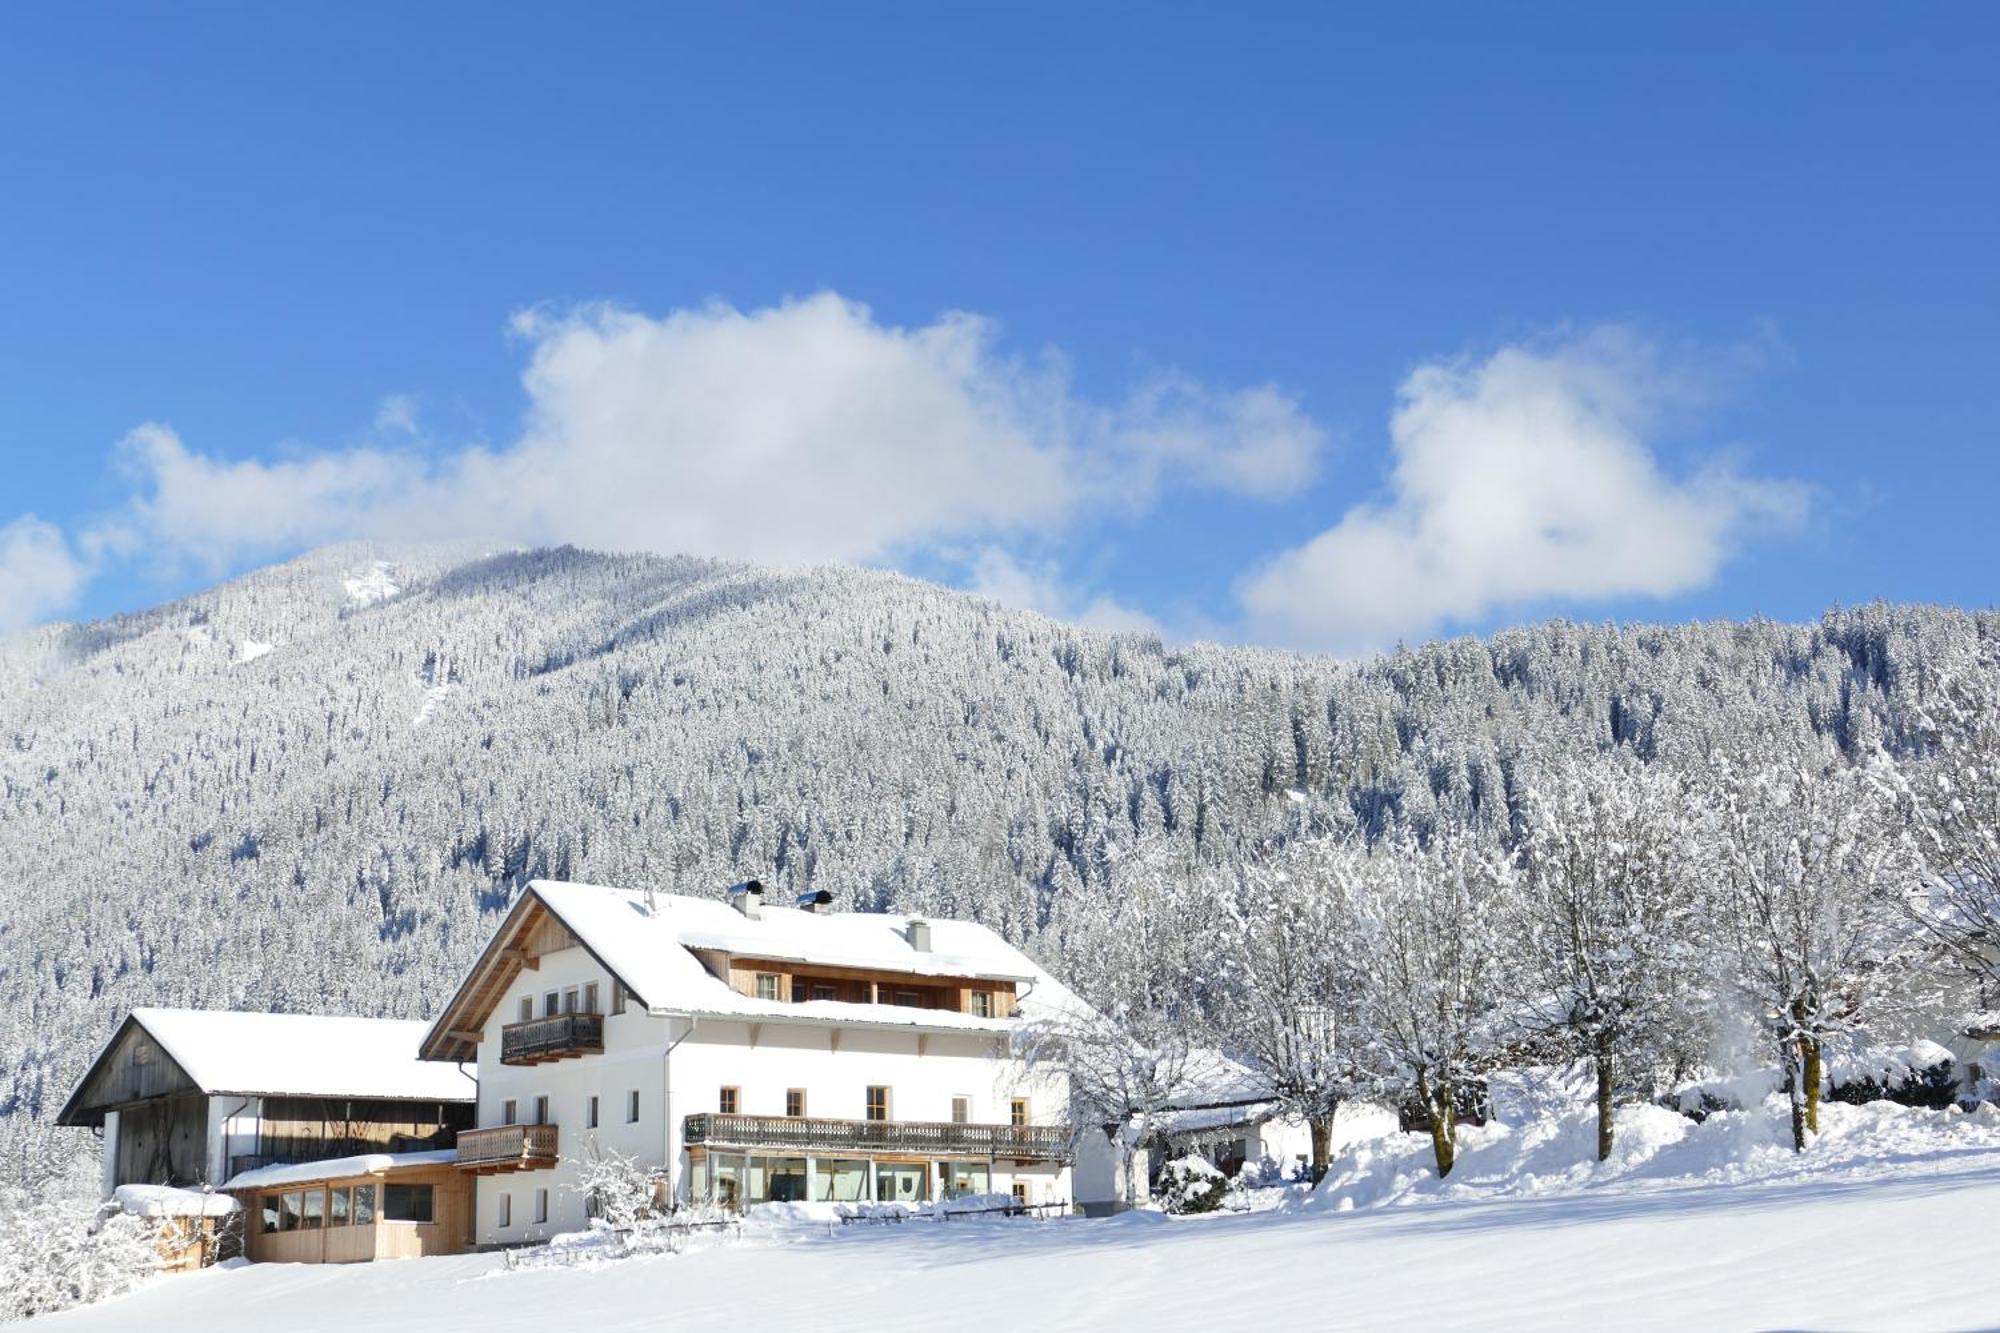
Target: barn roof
(299, 1055)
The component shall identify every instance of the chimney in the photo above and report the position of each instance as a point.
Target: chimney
(812, 900)
(919, 934)
(747, 898)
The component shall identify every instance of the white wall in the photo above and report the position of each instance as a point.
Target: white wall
(107, 1156)
(633, 1059)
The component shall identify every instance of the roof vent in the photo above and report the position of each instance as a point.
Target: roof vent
(919, 934)
(747, 898)
(812, 900)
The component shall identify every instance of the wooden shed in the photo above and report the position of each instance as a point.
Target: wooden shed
(356, 1209)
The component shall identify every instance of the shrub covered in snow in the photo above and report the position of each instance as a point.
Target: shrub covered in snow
(1190, 1185)
(57, 1250)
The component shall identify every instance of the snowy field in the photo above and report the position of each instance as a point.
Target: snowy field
(1894, 1223)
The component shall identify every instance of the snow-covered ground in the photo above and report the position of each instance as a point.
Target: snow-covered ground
(1892, 1222)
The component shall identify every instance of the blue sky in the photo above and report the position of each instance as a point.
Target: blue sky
(1293, 325)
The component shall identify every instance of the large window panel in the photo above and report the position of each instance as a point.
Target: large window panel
(407, 1203)
(840, 1179)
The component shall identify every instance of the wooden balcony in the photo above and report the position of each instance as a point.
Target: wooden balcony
(507, 1148)
(558, 1037)
(802, 1134)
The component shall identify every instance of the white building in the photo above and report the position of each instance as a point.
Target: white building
(749, 1053)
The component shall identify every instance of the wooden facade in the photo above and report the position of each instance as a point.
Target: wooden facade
(321, 1221)
(800, 982)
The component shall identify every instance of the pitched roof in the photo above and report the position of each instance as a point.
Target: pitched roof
(647, 945)
(302, 1055)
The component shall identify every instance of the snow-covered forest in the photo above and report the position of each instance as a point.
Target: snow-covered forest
(313, 788)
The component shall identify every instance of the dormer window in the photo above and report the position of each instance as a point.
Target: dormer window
(767, 985)
(982, 1004)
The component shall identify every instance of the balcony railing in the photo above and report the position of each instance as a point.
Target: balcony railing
(803, 1134)
(557, 1037)
(507, 1148)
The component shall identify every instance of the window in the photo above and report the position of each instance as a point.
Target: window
(824, 993)
(1021, 1192)
(982, 1004)
(407, 1203)
(1018, 1112)
(590, 999)
(272, 1212)
(795, 1102)
(541, 1206)
(336, 1208)
(767, 985)
(590, 1112)
(505, 1216)
(909, 999)
(726, 1101)
(364, 1205)
(508, 1112)
(527, 1009)
(632, 1107)
(878, 1103)
(961, 1110)
(840, 1179)
(551, 1003)
(542, 1110)
(314, 1214)
(570, 1000)
(617, 997)
(798, 991)
(902, 1182)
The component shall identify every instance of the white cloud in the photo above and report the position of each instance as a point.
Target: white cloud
(998, 576)
(806, 431)
(39, 574)
(1522, 477)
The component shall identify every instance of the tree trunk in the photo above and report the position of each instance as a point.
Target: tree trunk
(1605, 1062)
(1438, 1111)
(1322, 1145)
(1788, 1051)
(1812, 1070)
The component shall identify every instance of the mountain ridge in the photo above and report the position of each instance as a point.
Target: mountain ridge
(285, 792)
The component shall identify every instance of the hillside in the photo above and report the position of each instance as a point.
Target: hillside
(313, 787)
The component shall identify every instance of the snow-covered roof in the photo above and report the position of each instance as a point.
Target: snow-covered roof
(648, 943)
(1210, 1078)
(337, 1168)
(303, 1055)
(167, 1201)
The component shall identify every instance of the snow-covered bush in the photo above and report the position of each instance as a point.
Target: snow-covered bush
(57, 1251)
(1190, 1185)
(618, 1190)
(1921, 1074)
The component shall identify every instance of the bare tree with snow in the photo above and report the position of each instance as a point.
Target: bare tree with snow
(1609, 927)
(1427, 927)
(1295, 986)
(1811, 865)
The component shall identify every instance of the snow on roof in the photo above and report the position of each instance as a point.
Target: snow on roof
(167, 1201)
(648, 946)
(303, 1055)
(1210, 1078)
(337, 1168)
